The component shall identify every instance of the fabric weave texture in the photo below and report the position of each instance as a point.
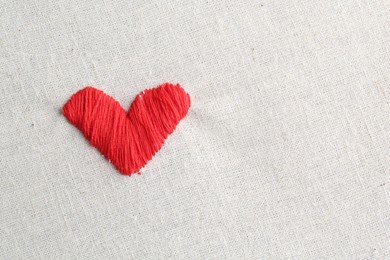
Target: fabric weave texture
(284, 154)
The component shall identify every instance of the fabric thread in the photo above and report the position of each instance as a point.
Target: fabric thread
(129, 140)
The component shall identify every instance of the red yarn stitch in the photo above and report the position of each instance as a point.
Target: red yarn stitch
(129, 140)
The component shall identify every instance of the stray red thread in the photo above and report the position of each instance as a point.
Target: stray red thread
(128, 140)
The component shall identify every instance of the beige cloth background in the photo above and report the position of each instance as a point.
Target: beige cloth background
(285, 153)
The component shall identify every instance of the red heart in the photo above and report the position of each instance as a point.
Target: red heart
(129, 140)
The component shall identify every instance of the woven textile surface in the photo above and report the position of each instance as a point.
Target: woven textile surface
(284, 153)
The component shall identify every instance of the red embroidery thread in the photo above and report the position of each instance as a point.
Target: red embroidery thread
(128, 140)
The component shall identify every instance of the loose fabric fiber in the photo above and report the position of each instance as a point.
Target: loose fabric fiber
(284, 154)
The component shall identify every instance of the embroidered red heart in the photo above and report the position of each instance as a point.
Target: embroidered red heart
(128, 140)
